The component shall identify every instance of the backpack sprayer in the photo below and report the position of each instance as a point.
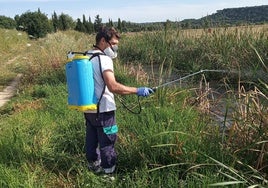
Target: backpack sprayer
(80, 83)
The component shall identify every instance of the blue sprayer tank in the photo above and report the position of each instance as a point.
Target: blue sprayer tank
(80, 84)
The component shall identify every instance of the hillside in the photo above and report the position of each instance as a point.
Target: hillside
(231, 16)
(257, 14)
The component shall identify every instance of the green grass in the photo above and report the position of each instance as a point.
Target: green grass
(170, 144)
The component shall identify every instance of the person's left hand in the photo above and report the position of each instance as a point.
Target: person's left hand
(144, 91)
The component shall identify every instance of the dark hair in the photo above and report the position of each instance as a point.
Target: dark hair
(107, 33)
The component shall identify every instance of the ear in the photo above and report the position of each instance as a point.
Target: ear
(103, 40)
(102, 44)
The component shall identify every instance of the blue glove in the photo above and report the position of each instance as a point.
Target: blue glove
(144, 91)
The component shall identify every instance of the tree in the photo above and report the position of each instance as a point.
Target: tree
(110, 23)
(167, 25)
(80, 26)
(55, 22)
(86, 27)
(90, 26)
(84, 20)
(124, 26)
(66, 22)
(35, 24)
(7, 23)
(119, 24)
(97, 23)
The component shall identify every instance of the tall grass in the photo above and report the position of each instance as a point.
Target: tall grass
(170, 144)
(190, 51)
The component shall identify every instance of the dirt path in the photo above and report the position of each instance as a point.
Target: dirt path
(9, 91)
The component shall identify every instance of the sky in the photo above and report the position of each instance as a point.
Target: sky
(139, 11)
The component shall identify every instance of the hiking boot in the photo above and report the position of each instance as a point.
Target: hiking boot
(109, 170)
(95, 166)
(108, 173)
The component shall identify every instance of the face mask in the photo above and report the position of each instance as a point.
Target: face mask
(111, 51)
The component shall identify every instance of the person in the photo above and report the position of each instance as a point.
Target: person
(101, 127)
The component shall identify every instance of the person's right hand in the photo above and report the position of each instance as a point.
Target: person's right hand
(144, 91)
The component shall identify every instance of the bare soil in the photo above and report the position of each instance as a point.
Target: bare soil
(9, 91)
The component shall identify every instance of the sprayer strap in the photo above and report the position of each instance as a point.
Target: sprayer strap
(94, 55)
(104, 86)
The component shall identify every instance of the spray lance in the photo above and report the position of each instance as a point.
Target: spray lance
(188, 76)
(169, 83)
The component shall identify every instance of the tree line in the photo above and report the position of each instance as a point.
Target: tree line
(38, 25)
(230, 17)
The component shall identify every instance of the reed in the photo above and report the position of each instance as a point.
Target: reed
(192, 50)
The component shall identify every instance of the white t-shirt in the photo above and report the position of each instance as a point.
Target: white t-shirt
(107, 102)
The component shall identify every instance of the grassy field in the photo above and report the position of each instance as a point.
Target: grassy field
(172, 143)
